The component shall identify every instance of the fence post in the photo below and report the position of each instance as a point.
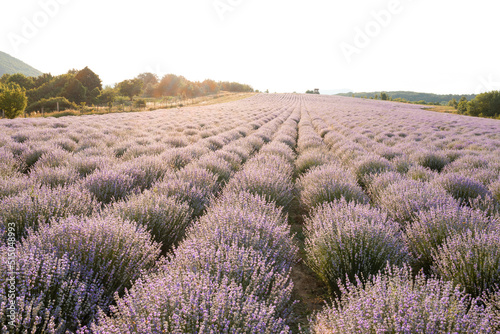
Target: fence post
(57, 106)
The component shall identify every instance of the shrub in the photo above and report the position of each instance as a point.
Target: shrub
(430, 229)
(345, 240)
(50, 104)
(52, 296)
(395, 302)
(187, 302)
(109, 185)
(255, 270)
(462, 188)
(266, 182)
(495, 190)
(54, 177)
(10, 186)
(419, 173)
(9, 166)
(433, 160)
(470, 260)
(86, 165)
(279, 149)
(370, 165)
(107, 248)
(312, 158)
(378, 182)
(247, 220)
(166, 218)
(217, 165)
(328, 183)
(404, 199)
(36, 206)
(194, 185)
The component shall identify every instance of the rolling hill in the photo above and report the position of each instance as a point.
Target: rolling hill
(11, 65)
(413, 96)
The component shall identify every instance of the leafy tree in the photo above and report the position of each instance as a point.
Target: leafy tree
(108, 95)
(20, 79)
(74, 91)
(148, 78)
(89, 79)
(130, 88)
(462, 105)
(51, 104)
(384, 96)
(485, 105)
(453, 103)
(13, 100)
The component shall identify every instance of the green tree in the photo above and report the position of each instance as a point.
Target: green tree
(20, 79)
(384, 96)
(75, 91)
(453, 103)
(485, 105)
(13, 100)
(108, 95)
(462, 105)
(130, 88)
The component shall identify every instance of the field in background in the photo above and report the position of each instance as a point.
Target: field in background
(222, 216)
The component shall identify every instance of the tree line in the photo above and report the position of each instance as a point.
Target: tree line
(20, 93)
(483, 105)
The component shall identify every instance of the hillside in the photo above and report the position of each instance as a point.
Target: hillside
(413, 96)
(11, 65)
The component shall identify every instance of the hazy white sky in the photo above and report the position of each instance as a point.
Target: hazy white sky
(445, 46)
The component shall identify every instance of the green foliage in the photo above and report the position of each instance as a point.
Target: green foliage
(402, 96)
(89, 79)
(130, 88)
(485, 105)
(140, 103)
(384, 96)
(453, 103)
(50, 104)
(462, 105)
(12, 100)
(75, 91)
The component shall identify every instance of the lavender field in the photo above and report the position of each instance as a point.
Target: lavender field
(180, 220)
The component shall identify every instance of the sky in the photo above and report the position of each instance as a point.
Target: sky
(445, 46)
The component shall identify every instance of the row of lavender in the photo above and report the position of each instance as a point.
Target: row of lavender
(79, 243)
(382, 210)
(232, 272)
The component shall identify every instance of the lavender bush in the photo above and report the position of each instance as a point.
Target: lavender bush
(404, 199)
(267, 182)
(188, 302)
(430, 229)
(109, 185)
(470, 260)
(36, 206)
(462, 188)
(348, 240)
(166, 218)
(370, 165)
(106, 248)
(51, 294)
(395, 302)
(433, 160)
(193, 185)
(328, 183)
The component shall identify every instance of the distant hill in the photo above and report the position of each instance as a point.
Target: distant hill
(11, 65)
(414, 96)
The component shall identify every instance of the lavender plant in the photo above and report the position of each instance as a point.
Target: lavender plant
(328, 183)
(51, 294)
(470, 260)
(189, 302)
(348, 240)
(108, 249)
(462, 188)
(166, 218)
(36, 206)
(395, 302)
(430, 229)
